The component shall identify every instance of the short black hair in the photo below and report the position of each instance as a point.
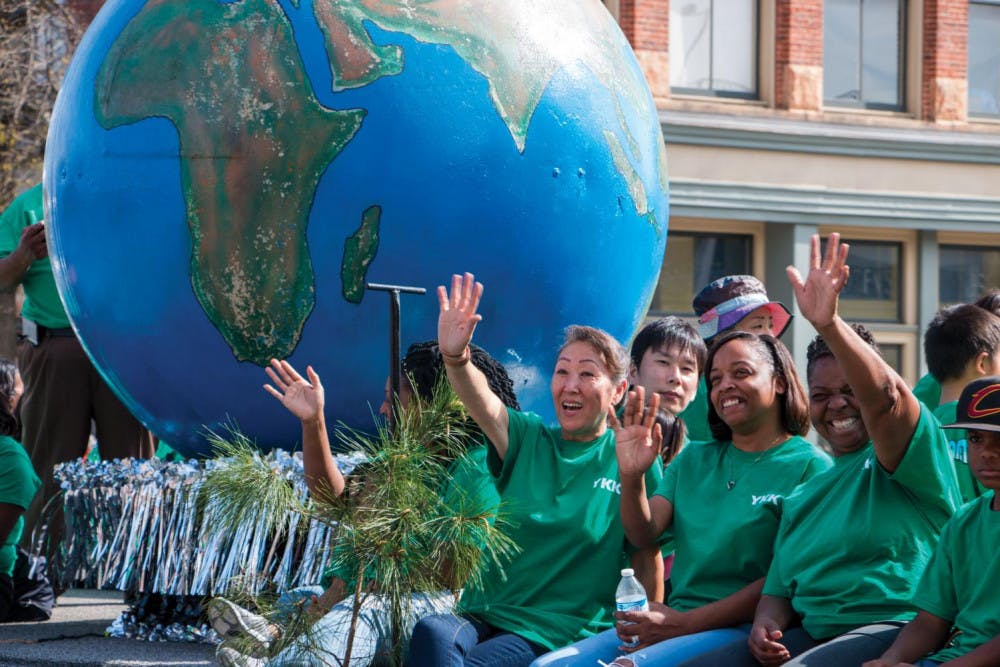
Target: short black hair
(818, 349)
(990, 301)
(424, 367)
(9, 424)
(674, 433)
(956, 336)
(667, 332)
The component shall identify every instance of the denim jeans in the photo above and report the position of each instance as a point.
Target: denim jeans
(450, 641)
(325, 643)
(605, 647)
(851, 648)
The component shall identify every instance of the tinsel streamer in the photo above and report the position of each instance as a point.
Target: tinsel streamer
(137, 526)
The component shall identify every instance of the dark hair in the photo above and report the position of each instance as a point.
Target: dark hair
(424, 368)
(674, 431)
(668, 332)
(612, 354)
(956, 336)
(794, 402)
(9, 424)
(990, 301)
(818, 349)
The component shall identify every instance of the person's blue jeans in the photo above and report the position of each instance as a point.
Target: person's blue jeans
(445, 640)
(605, 647)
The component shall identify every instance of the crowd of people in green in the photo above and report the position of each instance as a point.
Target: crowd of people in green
(754, 546)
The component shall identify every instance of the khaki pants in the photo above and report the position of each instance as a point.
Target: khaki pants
(63, 392)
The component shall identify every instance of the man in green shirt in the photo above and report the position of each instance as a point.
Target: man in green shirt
(63, 390)
(961, 344)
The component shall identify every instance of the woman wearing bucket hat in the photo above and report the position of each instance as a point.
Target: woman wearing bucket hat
(737, 302)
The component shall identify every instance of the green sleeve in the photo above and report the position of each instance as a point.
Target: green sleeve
(936, 592)
(518, 426)
(928, 391)
(775, 584)
(19, 483)
(927, 470)
(695, 415)
(668, 484)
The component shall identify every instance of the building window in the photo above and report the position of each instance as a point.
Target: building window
(984, 58)
(863, 53)
(873, 292)
(966, 272)
(694, 260)
(713, 47)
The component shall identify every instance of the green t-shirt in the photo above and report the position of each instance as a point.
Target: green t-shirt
(968, 485)
(695, 415)
(18, 485)
(961, 580)
(41, 298)
(928, 391)
(726, 510)
(853, 542)
(562, 506)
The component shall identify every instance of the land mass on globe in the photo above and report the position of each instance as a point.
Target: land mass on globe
(230, 78)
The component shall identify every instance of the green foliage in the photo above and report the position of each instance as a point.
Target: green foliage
(397, 535)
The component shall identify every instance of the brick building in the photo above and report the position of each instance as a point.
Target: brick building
(876, 118)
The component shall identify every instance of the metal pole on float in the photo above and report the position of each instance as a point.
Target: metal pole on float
(395, 370)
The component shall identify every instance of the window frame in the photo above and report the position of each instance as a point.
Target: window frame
(978, 116)
(711, 92)
(902, 53)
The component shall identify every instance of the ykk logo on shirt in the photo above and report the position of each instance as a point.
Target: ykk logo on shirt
(608, 485)
(773, 498)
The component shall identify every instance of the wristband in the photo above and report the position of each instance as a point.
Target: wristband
(456, 360)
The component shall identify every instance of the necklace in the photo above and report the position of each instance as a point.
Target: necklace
(731, 484)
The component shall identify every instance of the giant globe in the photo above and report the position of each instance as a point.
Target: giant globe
(222, 180)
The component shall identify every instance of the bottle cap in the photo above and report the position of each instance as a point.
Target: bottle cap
(628, 572)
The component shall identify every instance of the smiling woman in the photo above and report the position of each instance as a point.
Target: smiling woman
(560, 485)
(758, 414)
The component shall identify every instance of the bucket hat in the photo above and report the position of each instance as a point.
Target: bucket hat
(724, 302)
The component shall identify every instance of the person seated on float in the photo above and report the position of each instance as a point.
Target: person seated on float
(928, 389)
(326, 642)
(961, 344)
(720, 499)
(957, 595)
(852, 543)
(18, 485)
(560, 485)
(731, 303)
(668, 356)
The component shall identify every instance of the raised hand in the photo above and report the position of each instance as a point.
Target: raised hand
(303, 398)
(637, 436)
(458, 317)
(817, 295)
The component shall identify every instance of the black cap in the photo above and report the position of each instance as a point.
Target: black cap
(979, 405)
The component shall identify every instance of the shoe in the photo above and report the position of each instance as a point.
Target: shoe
(229, 657)
(231, 620)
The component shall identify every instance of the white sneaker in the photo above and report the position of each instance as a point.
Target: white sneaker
(231, 620)
(229, 657)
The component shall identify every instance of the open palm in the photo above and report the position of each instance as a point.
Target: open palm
(817, 295)
(458, 318)
(303, 398)
(637, 436)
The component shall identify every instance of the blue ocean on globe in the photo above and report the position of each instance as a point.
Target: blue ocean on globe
(221, 180)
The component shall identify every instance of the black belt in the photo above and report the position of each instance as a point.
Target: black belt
(35, 332)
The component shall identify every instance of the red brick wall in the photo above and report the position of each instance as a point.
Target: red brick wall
(945, 56)
(798, 42)
(646, 23)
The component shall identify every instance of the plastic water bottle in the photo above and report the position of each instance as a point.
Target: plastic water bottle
(630, 596)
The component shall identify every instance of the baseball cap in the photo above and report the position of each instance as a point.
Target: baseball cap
(722, 303)
(979, 406)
